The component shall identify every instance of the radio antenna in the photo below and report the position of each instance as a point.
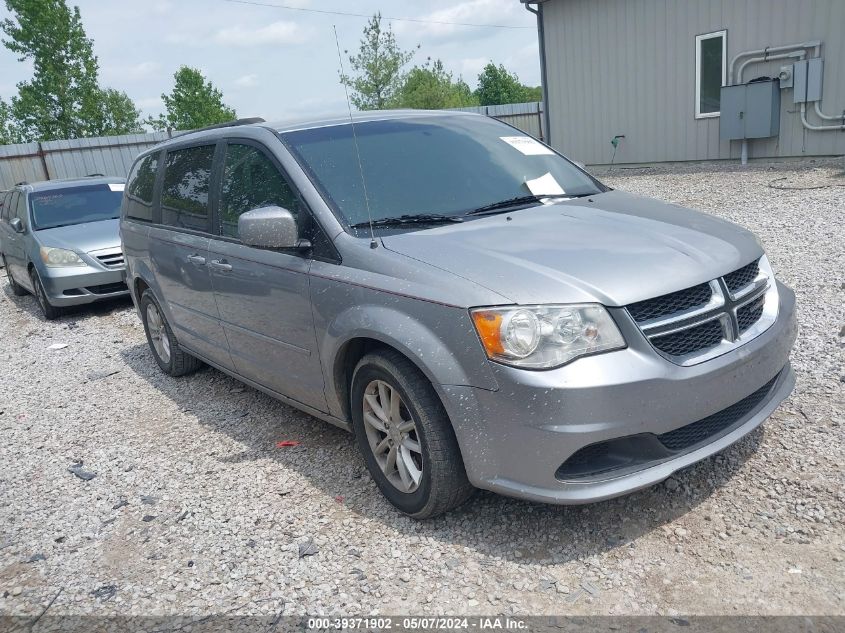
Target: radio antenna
(373, 242)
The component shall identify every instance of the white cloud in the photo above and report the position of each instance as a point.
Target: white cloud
(470, 67)
(149, 103)
(247, 81)
(281, 32)
(505, 12)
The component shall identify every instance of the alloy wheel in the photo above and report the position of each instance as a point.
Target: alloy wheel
(392, 436)
(158, 333)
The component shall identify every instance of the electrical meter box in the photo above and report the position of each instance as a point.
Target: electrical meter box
(750, 110)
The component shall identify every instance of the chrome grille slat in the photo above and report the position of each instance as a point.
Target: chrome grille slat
(703, 321)
(112, 260)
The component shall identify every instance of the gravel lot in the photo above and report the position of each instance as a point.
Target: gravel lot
(194, 510)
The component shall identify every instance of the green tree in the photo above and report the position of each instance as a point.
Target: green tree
(9, 132)
(497, 86)
(63, 98)
(193, 103)
(118, 114)
(432, 87)
(378, 67)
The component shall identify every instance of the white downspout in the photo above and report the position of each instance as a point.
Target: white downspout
(816, 45)
(753, 60)
(817, 128)
(828, 117)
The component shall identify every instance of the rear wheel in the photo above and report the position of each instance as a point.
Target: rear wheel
(406, 437)
(49, 311)
(17, 289)
(172, 359)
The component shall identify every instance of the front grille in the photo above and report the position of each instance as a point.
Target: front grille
(739, 279)
(691, 434)
(690, 340)
(106, 289)
(671, 303)
(697, 323)
(750, 313)
(112, 260)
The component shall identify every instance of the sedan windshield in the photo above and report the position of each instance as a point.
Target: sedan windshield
(433, 166)
(75, 205)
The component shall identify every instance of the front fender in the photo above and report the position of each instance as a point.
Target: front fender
(439, 340)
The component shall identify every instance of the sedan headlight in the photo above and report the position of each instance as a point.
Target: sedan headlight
(542, 337)
(59, 257)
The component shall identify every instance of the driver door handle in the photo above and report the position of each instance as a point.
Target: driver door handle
(197, 260)
(221, 265)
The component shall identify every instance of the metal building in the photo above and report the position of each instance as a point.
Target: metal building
(658, 76)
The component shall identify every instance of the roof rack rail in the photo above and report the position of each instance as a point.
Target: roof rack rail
(98, 175)
(22, 182)
(235, 123)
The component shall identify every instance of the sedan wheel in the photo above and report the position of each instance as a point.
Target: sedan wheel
(392, 436)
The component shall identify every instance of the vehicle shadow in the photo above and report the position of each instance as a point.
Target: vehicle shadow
(493, 525)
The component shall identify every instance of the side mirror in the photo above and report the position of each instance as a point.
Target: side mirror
(16, 224)
(268, 227)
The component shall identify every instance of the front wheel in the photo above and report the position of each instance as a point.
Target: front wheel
(406, 437)
(17, 289)
(172, 359)
(49, 311)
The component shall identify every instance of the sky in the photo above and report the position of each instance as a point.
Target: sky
(277, 63)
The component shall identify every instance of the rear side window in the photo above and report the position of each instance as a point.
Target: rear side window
(184, 195)
(140, 188)
(4, 210)
(251, 181)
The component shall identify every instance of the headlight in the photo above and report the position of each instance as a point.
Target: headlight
(542, 337)
(59, 257)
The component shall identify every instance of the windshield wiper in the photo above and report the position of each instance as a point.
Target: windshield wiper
(402, 220)
(519, 200)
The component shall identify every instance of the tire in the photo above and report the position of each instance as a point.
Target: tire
(17, 289)
(172, 359)
(49, 311)
(441, 482)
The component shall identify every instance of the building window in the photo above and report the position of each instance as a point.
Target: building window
(711, 51)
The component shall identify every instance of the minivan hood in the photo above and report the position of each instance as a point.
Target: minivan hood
(83, 238)
(614, 248)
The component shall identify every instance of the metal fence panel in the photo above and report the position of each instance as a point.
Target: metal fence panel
(49, 160)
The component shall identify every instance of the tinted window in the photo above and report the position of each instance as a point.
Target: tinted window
(184, 195)
(440, 164)
(75, 205)
(3, 208)
(710, 64)
(140, 189)
(251, 181)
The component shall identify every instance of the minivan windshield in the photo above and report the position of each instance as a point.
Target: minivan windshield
(432, 166)
(75, 205)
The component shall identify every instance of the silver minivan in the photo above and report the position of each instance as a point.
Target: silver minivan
(477, 309)
(59, 241)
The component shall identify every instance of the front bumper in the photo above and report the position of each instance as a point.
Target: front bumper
(81, 284)
(515, 439)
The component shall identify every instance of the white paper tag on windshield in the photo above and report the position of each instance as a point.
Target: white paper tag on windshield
(526, 145)
(545, 185)
(116, 186)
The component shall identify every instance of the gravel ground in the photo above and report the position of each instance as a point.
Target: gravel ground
(194, 510)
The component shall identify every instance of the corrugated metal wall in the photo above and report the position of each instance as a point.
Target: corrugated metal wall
(107, 155)
(628, 67)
